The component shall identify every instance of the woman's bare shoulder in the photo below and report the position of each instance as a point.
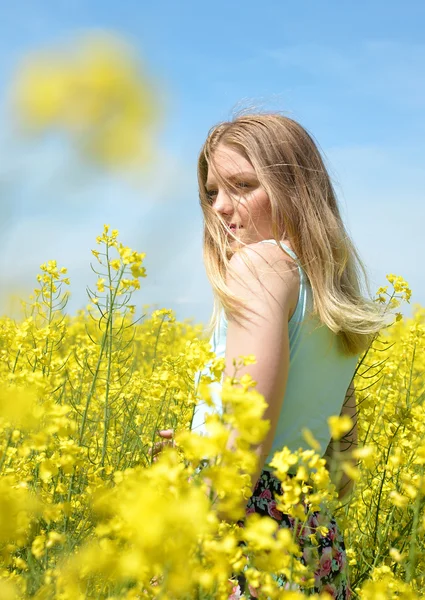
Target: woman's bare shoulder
(267, 253)
(267, 265)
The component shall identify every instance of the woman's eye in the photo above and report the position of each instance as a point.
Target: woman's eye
(211, 194)
(244, 186)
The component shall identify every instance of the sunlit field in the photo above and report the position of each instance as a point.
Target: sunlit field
(85, 512)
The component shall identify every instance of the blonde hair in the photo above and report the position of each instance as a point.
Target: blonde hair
(304, 206)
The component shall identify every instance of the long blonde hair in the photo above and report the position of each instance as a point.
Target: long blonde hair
(303, 203)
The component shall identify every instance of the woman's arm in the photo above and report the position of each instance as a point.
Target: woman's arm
(346, 444)
(268, 286)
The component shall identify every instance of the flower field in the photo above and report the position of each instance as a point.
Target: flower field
(86, 513)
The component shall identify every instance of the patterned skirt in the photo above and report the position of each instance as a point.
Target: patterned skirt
(331, 570)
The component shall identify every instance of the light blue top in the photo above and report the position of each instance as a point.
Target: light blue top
(318, 377)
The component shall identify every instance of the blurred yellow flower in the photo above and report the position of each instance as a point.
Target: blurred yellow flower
(310, 439)
(398, 499)
(339, 425)
(18, 406)
(96, 91)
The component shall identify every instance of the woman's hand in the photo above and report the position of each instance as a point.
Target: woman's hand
(159, 446)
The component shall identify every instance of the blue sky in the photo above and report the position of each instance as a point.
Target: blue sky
(351, 73)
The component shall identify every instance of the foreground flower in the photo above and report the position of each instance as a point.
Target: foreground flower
(97, 92)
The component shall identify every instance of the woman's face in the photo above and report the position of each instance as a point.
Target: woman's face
(248, 209)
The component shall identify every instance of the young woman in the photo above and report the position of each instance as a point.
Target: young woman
(286, 282)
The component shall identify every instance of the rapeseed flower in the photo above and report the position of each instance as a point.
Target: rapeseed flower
(97, 92)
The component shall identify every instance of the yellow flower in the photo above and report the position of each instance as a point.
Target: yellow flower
(8, 590)
(48, 469)
(97, 93)
(115, 264)
(259, 531)
(420, 455)
(395, 555)
(283, 461)
(54, 537)
(249, 359)
(366, 454)
(38, 545)
(339, 425)
(351, 471)
(18, 405)
(310, 439)
(138, 271)
(100, 285)
(398, 499)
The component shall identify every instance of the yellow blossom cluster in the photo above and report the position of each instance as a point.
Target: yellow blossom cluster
(85, 512)
(385, 518)
(97, 92)
(128, 263)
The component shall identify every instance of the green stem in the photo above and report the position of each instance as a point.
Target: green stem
(3, 458)
(411, 566)
(92, 388)
(156, 343)
(123, 445)
(109, 333)
(378, 553)
(16, 360)
(49, 321)
(102, 350)
(68, 499)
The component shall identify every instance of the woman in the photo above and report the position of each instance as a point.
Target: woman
(285, 278)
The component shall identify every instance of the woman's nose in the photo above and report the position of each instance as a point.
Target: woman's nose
(223, 204)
